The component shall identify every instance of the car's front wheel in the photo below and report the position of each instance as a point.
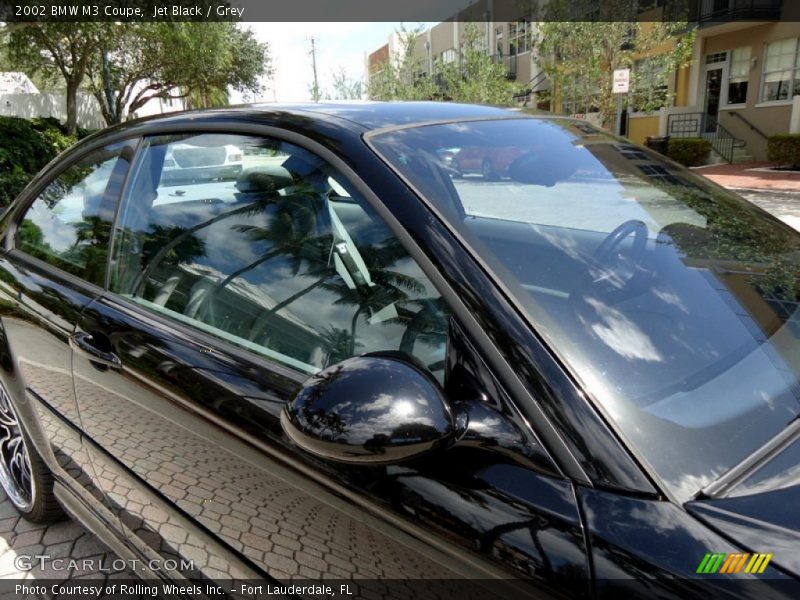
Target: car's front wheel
(25, 478)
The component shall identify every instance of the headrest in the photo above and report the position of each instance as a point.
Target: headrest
(302, 164)
(263, 179)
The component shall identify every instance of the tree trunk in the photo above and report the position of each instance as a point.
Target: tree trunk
(263, 319)
(72, 107)
(353, 325)
(114, 116)
(101, 100)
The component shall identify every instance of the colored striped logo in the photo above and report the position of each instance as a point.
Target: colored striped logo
(736, 562)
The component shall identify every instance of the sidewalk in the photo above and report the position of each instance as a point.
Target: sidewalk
(752, 176)
(777, 192)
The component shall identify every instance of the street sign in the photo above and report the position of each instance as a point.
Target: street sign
(622, 81)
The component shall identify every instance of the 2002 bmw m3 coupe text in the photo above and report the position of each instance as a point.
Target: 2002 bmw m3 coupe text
(347, 360)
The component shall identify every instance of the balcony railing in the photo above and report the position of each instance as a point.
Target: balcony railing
(714, 12)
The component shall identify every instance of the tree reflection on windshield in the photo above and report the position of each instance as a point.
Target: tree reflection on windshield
(673, 301)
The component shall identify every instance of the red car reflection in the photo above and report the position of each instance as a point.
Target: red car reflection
(491, 163)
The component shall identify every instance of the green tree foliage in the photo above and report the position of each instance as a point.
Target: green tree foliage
(783, 150)
(690, 152)
(473, 77)
(579, 57)
(401, 77)
(25, 147)
(195, 61)
(56, 50)
(345, 88)
(476, 77)
(125, 65)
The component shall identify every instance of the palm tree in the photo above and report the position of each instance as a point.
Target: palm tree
(180, 234)
(337, 343)
(292, 232)
(388, 286)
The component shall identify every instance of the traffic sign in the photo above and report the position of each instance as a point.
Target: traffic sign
(622, 81)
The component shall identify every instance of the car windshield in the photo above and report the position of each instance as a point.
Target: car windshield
(673, 301)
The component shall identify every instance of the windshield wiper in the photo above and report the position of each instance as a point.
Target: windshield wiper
(753, 462)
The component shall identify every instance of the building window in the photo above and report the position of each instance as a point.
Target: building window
(738, 76)
(631, 152)
(717, 57)
(781, 71)
(578, 96)
(449, 56)
(518, 37)
(659, 174)
(651, 86)
(498, 42)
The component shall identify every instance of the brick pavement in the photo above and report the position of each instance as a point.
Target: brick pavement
(754, 176)
(63, 540)
(777, 192)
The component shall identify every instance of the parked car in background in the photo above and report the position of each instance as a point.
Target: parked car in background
(488, 161)
(186, 162)
(580, 381)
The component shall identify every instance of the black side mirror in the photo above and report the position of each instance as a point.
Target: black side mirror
(377, 408)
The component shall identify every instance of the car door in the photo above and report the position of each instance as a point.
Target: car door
(225, 296)
(54, 264)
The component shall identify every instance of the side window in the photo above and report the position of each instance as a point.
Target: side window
(69, 223)
(265, 245)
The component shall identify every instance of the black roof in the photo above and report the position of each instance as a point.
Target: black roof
(315, 119)
(376, 115)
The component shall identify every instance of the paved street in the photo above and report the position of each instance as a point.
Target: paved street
(775, 191)
(20, 539)
(784, 205)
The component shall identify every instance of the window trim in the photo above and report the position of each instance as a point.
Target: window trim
(731, 62)
(762, 79)
(547, 433)
(208, 342)
(54, 271)
(555, 445)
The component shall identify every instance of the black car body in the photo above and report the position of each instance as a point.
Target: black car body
(187, 414)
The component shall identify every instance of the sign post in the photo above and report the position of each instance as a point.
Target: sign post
(620, 85)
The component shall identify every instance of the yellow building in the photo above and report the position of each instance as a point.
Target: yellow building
(743, 84)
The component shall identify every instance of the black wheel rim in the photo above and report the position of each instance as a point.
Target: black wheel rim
(15, 464)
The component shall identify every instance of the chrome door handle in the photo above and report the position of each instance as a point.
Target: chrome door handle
(83, 343)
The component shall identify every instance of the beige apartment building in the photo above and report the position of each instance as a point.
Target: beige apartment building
(743, 84)
(744, 81)
(509, 43)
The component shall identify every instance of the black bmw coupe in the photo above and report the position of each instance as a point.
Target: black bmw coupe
(577, 375)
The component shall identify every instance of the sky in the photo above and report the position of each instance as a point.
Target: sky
(339, 46)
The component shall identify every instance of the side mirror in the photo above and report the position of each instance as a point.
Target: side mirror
(372, 409)
(558, 164)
